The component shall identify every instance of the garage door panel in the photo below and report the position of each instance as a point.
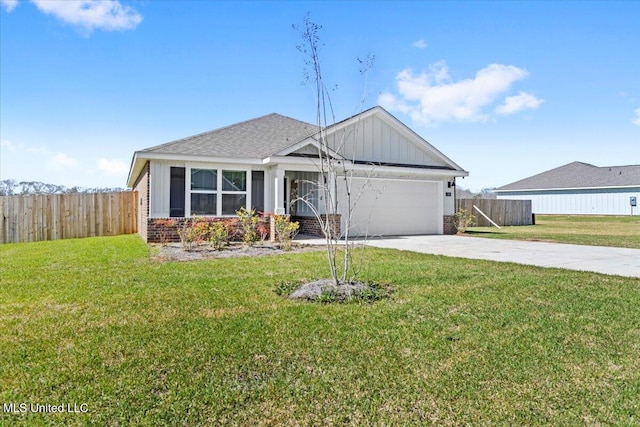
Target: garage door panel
(393, 207)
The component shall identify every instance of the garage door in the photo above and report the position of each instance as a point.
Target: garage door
(387, 207)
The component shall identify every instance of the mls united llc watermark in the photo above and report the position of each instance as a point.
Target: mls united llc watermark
(44, 408)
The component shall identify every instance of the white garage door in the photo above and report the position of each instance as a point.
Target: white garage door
(387, 207)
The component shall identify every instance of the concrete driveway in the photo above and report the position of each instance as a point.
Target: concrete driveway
(599, 259)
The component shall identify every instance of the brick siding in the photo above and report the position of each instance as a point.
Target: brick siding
(165, 230)
(448, 227)
(309, 225)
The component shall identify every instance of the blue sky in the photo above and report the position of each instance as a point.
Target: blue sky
(505, 89)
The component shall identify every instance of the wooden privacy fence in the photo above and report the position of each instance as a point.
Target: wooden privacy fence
(503, 212)
(31, 218)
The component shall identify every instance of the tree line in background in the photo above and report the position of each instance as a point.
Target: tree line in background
(10, 187)
(485, 193)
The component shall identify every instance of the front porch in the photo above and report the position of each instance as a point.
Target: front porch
(193, 193)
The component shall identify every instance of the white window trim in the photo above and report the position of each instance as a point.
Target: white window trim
(218, 192)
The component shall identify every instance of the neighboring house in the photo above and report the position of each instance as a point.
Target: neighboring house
(579, 188)
(404, 185)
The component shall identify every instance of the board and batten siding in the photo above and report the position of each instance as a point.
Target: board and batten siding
(159, 188)
(384, 143)
(579, 202)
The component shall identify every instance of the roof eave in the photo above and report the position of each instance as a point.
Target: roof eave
(141, 157)
(524, 190)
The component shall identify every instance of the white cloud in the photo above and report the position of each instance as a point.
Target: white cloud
(39, 150)
(112, 167)
(517, 103)
(20, 147)
(9, 5)
(420, 44)
(8, 145)
(109, 15)
(432, 96)
(61, 162)
(636, 119)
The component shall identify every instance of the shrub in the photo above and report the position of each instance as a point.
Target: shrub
(193, 232)
(263, 228)
(218, 234)
(462, 219)
(249, 221)
(285, 231)
(166, 224)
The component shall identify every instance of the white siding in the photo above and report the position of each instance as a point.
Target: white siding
(160, 173)
(583, 202)
(384, 144)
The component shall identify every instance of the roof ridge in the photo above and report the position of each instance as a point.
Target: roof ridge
(619, 166)
(581, 163)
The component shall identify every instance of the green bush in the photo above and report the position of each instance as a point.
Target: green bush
(218, 234)
(285, 231)
(462, 219)
(193, 232)
(166, 224)
(249, 221)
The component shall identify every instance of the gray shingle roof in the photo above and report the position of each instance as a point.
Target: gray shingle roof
(256, 138)
(579, 175)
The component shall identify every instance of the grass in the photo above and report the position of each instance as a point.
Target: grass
(617, 231)
(462, 342)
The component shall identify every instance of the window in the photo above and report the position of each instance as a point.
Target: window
(204, 204)
(204, 195)
(234, 181)
(217, 192)
(204, 179)
(234, 191)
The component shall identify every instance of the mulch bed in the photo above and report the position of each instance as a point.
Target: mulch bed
(175, 251)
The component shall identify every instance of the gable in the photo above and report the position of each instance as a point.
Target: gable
(306, 151)
(377, 137)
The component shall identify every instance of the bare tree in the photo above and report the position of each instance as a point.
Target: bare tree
(334, 165)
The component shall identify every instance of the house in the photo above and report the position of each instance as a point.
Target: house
(579, 188)
(403, 184)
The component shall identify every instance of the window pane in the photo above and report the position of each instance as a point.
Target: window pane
(204, 179)
(234, 181)
(203, 204)
(232, 202)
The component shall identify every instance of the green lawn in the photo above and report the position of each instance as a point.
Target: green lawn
(618, 231)
(93, 322)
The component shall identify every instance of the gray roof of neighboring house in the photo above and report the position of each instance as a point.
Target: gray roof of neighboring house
(256, 138)
(579, 175)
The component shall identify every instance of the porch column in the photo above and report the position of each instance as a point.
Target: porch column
(333, 197)
(279, 192)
